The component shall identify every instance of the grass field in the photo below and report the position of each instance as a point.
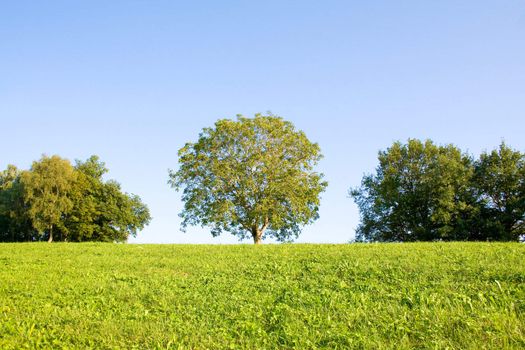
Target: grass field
(364, 296)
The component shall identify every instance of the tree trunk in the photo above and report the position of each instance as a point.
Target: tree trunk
(258, 232)
(257, 236)
(50, 234)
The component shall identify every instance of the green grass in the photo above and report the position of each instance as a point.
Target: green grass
(375, 296)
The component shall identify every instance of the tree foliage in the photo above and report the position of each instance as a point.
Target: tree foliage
(15, 223)
(500, 183)
(421, 192)
(47, 189)
(250, 177)
(101, 212)
(55, 200)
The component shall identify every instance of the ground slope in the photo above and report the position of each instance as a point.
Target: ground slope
(422, 295)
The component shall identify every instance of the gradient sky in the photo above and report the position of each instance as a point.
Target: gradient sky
(132, 81)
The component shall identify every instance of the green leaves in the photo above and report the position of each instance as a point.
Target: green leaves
(500, 182)
(57, 201)
(426, 192)
(252, 176)
(15, 223)
(47, 190)
(102, 212)
(419, 192)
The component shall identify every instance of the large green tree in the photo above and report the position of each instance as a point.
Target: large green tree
(420, 191)
(47, 191)
(500, 182)
(250, 177)
(57, 201)
(101, 211)
(15, 223)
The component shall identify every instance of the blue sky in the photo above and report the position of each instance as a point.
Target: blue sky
(132, 81)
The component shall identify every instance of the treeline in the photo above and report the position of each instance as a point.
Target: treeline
(421, 191)
(255, 177)
(58, 201)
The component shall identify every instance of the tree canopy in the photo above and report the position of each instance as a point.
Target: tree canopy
(250, 177)
(15, 224)
(500, 183)
(55, 200)
(421, 191)
(47, 189)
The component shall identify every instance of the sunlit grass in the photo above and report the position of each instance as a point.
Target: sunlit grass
(374, 296)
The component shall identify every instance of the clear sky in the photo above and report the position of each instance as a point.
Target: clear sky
(132, 81)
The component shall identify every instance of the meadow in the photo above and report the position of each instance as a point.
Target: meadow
(362, 296)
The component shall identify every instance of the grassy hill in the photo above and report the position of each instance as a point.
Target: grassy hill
(424, 295)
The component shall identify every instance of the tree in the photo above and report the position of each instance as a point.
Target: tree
(250, 176)
(59, 202)
(500, 183)
(15, 224)
(47, 190)
(420, 192)
(101, 211)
